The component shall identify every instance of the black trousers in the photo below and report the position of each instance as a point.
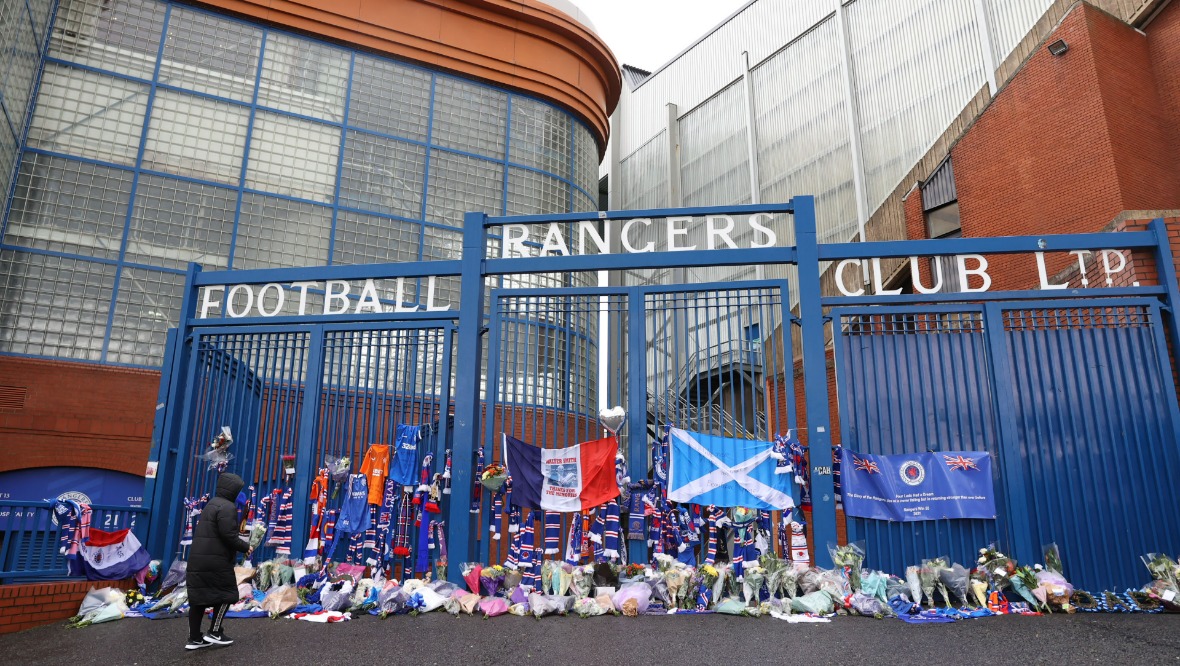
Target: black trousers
(197, 613)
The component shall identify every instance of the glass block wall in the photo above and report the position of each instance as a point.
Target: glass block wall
(23, 27)
(163, 134)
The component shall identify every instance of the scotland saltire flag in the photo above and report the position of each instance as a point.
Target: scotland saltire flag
(725, 472)
(112, 555)
(573, 478)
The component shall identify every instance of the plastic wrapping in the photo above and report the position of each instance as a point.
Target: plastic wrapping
(809, 581)
(752, 583)
(875, 584)
(956, 581)
(731, 606)
(175, 575)
(869, 606)
(1057, 589)
(659, 590)
(424, 600)
(96, 598)
(913, 579)
(588, 607)
(835, 584)
(541, 605)
(639, 593)
(393, 601)
(818, 603)
(848, 559)
(281, 600)
(582, 581)
(471, 572)
(493, 606)
(337, 596)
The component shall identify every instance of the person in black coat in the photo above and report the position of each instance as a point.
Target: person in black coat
(210, 577)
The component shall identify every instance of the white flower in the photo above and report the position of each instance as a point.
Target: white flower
(1037, 567)
(983, 551)
(982, 560)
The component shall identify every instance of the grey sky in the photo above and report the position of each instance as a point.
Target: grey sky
(648, 33)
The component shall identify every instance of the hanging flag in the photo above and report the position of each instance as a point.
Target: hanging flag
(919, 486)
(725, 472)
(112, 555)
(574, 478)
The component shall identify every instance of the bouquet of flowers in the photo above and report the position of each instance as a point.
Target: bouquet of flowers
(979, 587)
(997, 566)
(835, 585)
(338, 469)
(876, 585)
(1053, 558)
(471, 573)
(1164, 568)
(564, 578)
(582, 580)
(677, 580)
(955, 579)
(1055, 588)
(704, 581)
(928, 575)
(494, 475)
(1024, 581)
(548, 570)
(491, 579)
(134, 598)
(913, 579)
(631, 573)
(588, 607)
(218, 454)
(848, 558)
(752, 583)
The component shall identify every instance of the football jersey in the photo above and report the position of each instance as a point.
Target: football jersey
(376, 467)
(405, 455)
(354, 515)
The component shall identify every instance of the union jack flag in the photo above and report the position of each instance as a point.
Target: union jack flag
(865, 465)
(960, 463)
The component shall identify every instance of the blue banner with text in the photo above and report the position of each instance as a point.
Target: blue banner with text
(918, 486)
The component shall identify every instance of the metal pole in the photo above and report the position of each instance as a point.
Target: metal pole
(467, 388)
(853, 118)
(815, 381)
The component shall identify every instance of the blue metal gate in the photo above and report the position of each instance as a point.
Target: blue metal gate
(1047, 389)
(684, 355)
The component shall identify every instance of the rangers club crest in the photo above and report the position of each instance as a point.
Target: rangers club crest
(912, 472)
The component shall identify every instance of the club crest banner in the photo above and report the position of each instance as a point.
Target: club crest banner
(918, 486)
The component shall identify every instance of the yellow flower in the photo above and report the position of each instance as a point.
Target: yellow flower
(709, 570)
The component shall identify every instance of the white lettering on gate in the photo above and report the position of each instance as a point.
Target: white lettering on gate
(721, 232)
(965, 271)
(268, 300)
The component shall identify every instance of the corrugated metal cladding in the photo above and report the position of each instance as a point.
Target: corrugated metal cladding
(1092, 407)
(1074, 404)
(802, 128)
(715, 169)
(916, 63)
(910, 383)
(1010, 21)
(939, 189)
(761, 28)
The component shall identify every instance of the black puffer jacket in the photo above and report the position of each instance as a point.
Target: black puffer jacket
(211, 580)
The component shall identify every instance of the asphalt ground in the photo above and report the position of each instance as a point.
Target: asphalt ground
(683, 640)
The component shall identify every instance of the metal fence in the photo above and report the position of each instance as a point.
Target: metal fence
(30, 537)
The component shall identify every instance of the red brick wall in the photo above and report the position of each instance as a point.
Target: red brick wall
(1069, 143)
(1163, 35)
(78, 415)
(37, 604)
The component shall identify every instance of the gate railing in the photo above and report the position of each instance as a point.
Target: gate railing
(30, 538)
(709, 415)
